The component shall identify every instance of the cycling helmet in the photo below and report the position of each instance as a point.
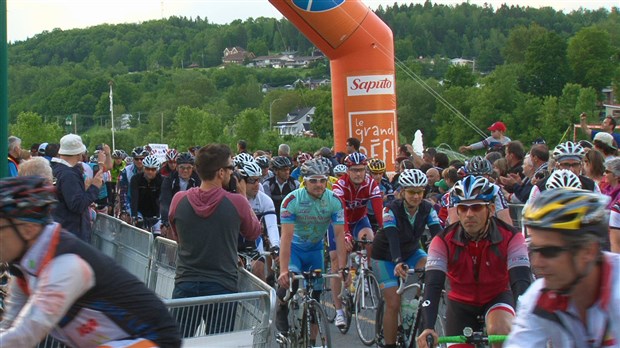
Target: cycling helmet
(473, 188)
(139, 151)
(376, 166)
(280, 162)
(570, 211)
(479, 165)
(262, 161)
(172, 155)
(303, 157)
(150, 161)
(119, 154)
(562, 178)
(185, 158)
(412, 178)
(355, 159)
(242, 158)
(568, 149)
(250, 169)
(340, 169)
(315, 166)
(27, 198)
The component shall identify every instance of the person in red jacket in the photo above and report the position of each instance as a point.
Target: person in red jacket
(485, 260)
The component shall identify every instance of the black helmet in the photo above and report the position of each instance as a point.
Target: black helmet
(479, 165)
(280, 162)
(185, 158)
(262, 161)
(139, 151)
(27, 198)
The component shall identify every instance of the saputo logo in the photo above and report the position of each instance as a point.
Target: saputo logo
(370, 85)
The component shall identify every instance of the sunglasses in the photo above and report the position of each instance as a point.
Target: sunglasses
(570, 165)
(414, 191)
(185, 167)
(150, 169)
(138, 158)
(317, 180)
(548, 252)
(251, 180)
(476, 207)
(231, 167)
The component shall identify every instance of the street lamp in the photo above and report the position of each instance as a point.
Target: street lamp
(270, 107)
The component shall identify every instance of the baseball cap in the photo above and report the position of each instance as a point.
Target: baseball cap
(498, 126)
(605, 138)
(71, 145)
(42, 148)
(442, 184)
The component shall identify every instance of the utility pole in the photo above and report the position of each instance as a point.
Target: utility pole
(161, 137)
(270, 117)
(74, 123)
(110, 83)
(4, 90)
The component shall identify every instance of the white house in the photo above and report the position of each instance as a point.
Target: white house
(297, 122)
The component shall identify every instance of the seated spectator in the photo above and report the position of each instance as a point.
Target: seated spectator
(594, 167)
(37, 166)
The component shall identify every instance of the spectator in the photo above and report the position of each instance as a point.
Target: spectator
(604, 142)
(242, 146)
(353, 145)
(521, 188)
(327, 153)
(41, 149)
(493, 156)
(51, 151)
(284, 150)
(612, 174)
(428, 155)
(441, 160)
(493, 143)
(594, 167)
(34, 150)
(500, 167)
(607, 126)
(75, 195)
(37, 166)
(207, 222)
(433, 176)
(15, 151)
(515, 152)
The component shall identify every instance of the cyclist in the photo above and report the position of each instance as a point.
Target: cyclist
(301, 158)
(281, 184)
(397, 245)
(262, 206)
(340, 170)
(485, 261)
(138, 154)
(145, 189)
(263, 162)
(356, 190)
(170, 165)
(182, 179)
(376, 167)
(576, 300)
(306, 213)
(480, 166)
(65, 287)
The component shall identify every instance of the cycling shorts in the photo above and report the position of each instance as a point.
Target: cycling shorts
(384, 270)
(130, 343)
(306, 260)
(460, 315)
(354, 228)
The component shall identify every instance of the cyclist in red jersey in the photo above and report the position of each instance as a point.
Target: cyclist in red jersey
(485, 261)
(355, 189)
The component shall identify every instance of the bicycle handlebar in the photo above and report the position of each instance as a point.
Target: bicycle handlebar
(403, 281)
(309, 275)
(472, 339)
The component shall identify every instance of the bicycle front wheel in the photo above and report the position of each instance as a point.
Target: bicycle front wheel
(367, 300)
(318, 317)
(327, 301)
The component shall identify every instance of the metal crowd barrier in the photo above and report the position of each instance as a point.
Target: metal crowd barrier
(239, 320)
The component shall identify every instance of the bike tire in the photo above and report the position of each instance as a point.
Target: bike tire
(295, 331)
(323, 338)
(379, 324)
(366, 307)
(327, 301)
(347, 308)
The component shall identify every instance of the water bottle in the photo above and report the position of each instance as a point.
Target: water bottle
(407, 311)
(352, 275)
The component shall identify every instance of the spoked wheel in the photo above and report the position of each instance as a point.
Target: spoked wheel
(367, 301)
(318, 316)
(347, 308)
(379, 324)
(327, 301)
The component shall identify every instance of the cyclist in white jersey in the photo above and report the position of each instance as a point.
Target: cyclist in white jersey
(576, 300)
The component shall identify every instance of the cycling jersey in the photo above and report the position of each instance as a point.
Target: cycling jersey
(400, 236)
(548, 319)
(311, 217)
(478, 271)
(123, 186)
(146, 195)
(264, 209)
(277, 191)
(82, 296)
(355, 199)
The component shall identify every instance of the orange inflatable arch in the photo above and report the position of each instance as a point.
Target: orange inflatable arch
(361, 51)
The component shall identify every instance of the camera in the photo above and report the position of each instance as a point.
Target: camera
(234, 179)
(99, 147)
(95, 168)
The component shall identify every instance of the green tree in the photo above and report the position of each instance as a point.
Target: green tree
(519, 40)
(323, 122)
(31, 129)
(459, 75)
(194, 126)
(250, 124)
(546, 66)
(591, 57)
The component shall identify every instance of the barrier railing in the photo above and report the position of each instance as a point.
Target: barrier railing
(244, 318)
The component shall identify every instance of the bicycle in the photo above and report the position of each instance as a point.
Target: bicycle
(304, 313)
(411, 297)
(364, 301)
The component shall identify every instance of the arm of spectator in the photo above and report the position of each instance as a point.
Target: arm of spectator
(108, 161)
(584, 124)
(77, 199)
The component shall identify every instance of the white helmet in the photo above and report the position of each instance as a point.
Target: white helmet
(568, 149)
(250, 169)
(412, 178)
(340, 169)
(150, 161)
(563, 178)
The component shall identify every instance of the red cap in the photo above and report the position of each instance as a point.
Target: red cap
(498, 126)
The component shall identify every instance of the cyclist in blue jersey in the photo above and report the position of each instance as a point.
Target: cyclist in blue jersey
(306, 214)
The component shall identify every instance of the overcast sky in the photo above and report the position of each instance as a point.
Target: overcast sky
(27, 18)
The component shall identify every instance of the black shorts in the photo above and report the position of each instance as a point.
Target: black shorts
(460, 315)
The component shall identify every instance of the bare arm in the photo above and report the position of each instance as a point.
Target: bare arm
(584, 124)
(286, 239)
